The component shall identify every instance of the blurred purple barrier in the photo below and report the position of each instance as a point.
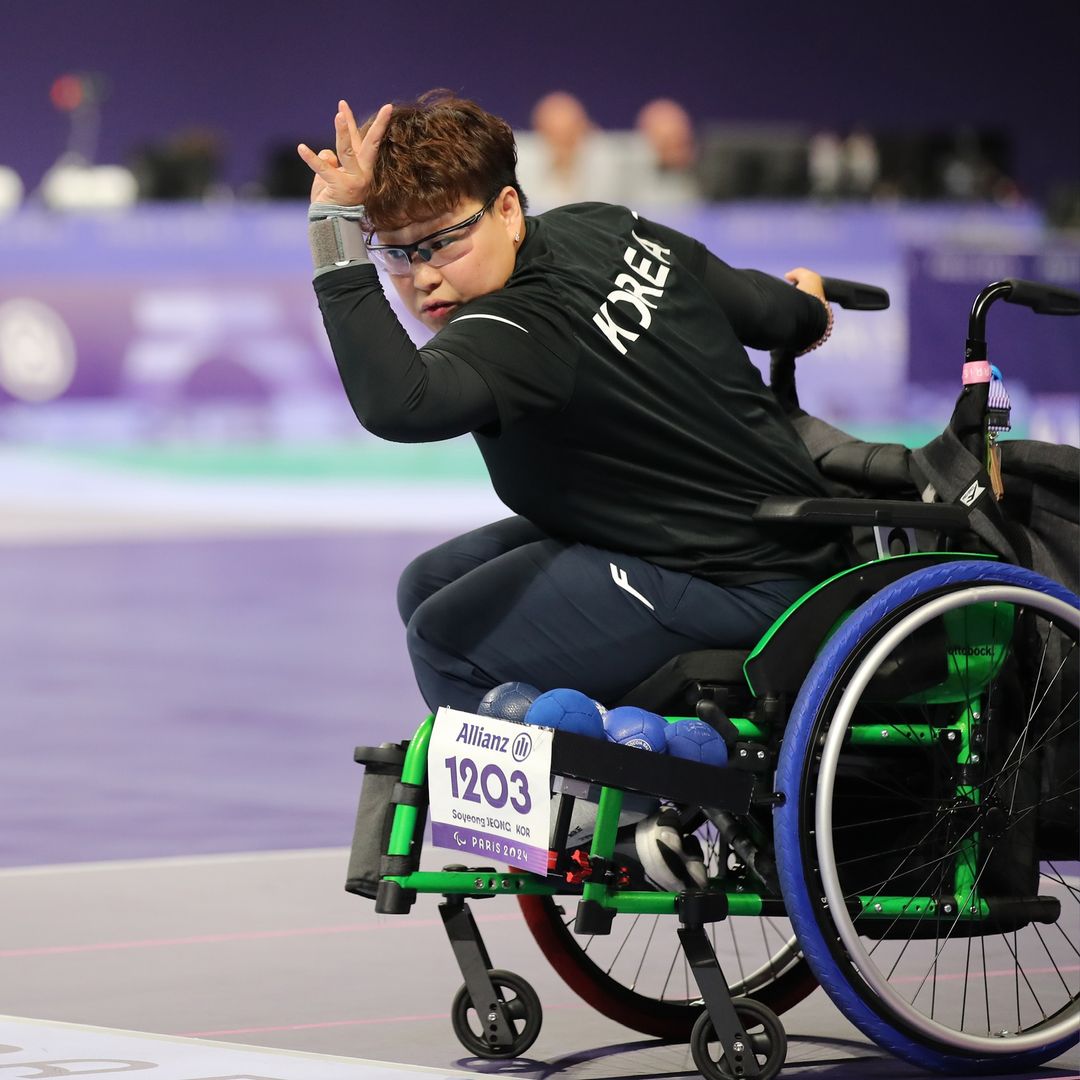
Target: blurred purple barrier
(164, 310)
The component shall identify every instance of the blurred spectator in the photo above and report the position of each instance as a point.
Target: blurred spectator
(825, 164)
(564, 158)
(11, 190)
(965, 170)
(665, 171)
(969, 173)
(848, 168)
(862, 164)
(1063, 207)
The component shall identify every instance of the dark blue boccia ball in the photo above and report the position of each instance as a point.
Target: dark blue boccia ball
(567, 710)
(508, 701)
(630, 726)
(695, 740)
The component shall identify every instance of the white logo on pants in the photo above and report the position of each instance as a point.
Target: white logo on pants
(619, 577)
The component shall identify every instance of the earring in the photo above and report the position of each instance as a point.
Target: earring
(517, 237)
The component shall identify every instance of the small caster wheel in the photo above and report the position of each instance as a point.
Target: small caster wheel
(475, 1028)
(767, 1042)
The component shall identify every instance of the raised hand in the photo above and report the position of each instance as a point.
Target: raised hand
(344, 177)
(807, 281)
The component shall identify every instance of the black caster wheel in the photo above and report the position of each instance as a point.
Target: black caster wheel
(767, 1042)
(474, 1028)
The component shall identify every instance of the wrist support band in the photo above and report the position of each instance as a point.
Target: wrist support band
(336, 236)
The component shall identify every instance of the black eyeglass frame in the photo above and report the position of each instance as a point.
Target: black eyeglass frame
(426, 253)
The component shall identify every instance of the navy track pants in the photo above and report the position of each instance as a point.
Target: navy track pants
(506, 602)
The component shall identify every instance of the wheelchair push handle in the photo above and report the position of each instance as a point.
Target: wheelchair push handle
(1041, 299)
(854, 295)
(972, 414)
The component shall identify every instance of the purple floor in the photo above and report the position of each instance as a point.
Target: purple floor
(181, 697)
(189, 697)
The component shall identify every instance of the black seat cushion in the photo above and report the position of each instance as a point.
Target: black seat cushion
(676, 687)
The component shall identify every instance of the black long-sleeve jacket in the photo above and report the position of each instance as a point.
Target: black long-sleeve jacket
(609, 391)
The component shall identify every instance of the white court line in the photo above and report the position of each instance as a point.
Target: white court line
(45, 500)
(239, 936)
(169, 861)
(32, 1043)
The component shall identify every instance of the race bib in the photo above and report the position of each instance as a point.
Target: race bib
(489, 785)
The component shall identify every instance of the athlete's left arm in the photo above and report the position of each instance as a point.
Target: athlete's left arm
(764, 312)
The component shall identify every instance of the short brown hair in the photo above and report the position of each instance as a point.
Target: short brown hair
(436, 151)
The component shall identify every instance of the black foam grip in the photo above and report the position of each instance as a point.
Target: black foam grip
(1043, 299)
(854, 295)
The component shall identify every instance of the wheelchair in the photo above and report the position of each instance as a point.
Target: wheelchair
(898, 821)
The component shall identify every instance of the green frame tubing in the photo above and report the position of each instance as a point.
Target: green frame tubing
(476, 883)
(484, 883)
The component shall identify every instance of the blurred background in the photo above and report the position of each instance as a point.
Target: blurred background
(198, 536)
(153, 270)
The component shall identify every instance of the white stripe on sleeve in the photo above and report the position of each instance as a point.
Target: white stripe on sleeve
(496, 318)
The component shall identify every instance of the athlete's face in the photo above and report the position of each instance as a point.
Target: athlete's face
(465, 264)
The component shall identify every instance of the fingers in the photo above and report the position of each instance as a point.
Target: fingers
(346, 150)
(380, 123)
(322, 162)
(346, 174)
(368, 150)
(358, 154)
(349, 143)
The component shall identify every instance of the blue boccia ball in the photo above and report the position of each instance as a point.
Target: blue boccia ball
(567, 710)
(508, 701)
(630, 726)
(695, 740)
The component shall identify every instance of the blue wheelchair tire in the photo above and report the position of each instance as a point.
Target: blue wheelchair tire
(869, 1013)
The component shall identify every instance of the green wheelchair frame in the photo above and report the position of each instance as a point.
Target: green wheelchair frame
(811, 682)
(733, 1037)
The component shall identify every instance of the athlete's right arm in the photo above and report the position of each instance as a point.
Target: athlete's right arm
(397, 391)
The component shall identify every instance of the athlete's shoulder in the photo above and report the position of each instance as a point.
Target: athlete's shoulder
(577, 238)
(601, 213)
(530, 306)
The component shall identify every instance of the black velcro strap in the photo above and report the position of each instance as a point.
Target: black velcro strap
(396, 865)
(958, 477)
(409, 794)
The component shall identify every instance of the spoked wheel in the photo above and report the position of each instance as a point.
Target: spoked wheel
(473, 1026)
(928, 846)
(638, 974)
(766, 1043)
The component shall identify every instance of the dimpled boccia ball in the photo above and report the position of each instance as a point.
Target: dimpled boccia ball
(695, 740)
(630, 726)
(567, 710)
(508, 701)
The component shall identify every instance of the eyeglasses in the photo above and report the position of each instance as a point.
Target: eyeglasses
(438, 248)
